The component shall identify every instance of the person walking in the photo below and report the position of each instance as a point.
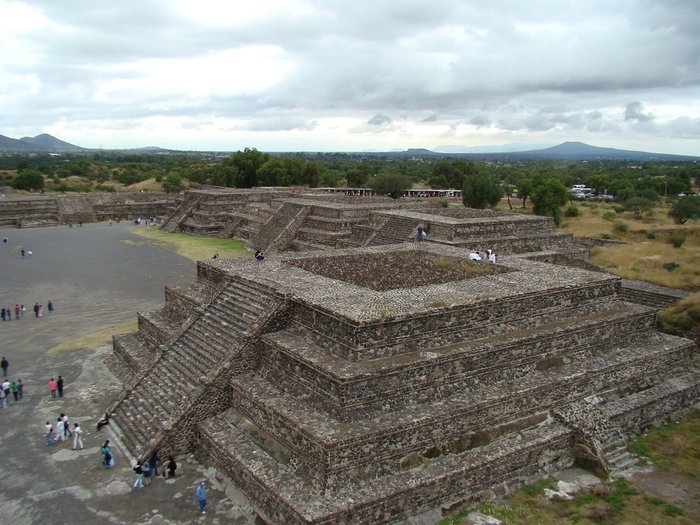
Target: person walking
(36, 309)
(153, 463)
(107, 452)
(202, 497)
(66, 426)
(4, 364)
(77, 437)
(3, 398)
(48, 429)
(6, 388)
(58, 436)
(17, 311)
(59, 386)
(138, 468)
(50, 307)
(53, 386)
(14, 388)
(20, 386)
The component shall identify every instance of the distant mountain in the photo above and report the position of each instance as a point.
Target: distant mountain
(43, 143)
(564, 151)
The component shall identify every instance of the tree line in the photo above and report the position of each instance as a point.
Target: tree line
(543, 183)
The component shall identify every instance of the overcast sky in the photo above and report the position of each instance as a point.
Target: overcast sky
(352, 75)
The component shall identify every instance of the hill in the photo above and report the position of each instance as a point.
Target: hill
(43, 143)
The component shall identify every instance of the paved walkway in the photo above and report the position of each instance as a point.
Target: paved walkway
(97, 276)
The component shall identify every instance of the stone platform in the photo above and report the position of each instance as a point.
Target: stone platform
(333, 395)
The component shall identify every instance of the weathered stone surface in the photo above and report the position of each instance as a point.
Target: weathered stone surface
(328, 400)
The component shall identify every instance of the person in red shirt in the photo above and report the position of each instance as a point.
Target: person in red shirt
(53, 386)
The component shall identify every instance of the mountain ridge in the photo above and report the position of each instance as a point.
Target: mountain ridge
(570, 150)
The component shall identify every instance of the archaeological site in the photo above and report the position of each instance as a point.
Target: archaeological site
(356, 375)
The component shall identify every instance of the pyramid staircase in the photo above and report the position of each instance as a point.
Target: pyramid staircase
(183, 211)
(321, 433)
(179, 381)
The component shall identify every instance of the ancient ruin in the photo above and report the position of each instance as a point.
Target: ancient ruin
(359, 376)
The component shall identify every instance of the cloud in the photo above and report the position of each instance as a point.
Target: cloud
(634, 111)
(379, 120)
(311, 71)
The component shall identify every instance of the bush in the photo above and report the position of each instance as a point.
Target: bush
(677, 238)
(670, 266)
(621, 227)
(572, 211)
(609, 215)
(651, 235)
(618, 209)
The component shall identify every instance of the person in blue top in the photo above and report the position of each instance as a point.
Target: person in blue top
(202, 497)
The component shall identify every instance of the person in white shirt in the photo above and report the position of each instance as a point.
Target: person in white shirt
(58, 436)
(47, 432)
(492, 257)
(474, 256)
(77, 437)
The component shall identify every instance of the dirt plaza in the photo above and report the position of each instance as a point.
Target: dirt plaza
(97, 276)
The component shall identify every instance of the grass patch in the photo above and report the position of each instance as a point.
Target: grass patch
(683, 318)
(194, 247)
(674, 447)
(93, 339)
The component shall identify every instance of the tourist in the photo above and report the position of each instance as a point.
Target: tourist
(17, 311)
(138, 468)
(59, 430)
(22, 252)
(474, 256)
(23, 309)
(66, 426)
(3, 313)
(4, 364)
(36, 309)
(171, 466)
(3, 399)
(77, 437)
(259, 256)
(53, 386)
(108, 460)
(419, 233)
(4, 239)
(20, 385)
(40, 313)
(59, 386)
(48, 429)
(153, 462)
(29, 252)
(6, 387)
(50, 307)
(14, 388)
(202, 497)
(102, 422)
(492, 257)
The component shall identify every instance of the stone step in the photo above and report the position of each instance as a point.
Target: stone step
(306, 246)
(295, 359)
(285, 496)
(310, 432)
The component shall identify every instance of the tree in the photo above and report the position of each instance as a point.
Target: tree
(481, 190)
(247, 164)
(28, 180)
(172, 183)
(548, 195)
(357, 177)
(684, 209)
(450, 174)
(392, 184)
(524, 187)
(639, 206)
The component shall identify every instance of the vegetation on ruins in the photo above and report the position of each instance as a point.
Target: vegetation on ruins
(673, 449)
